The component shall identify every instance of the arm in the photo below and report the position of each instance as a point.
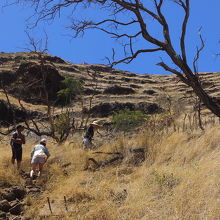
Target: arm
(46, 152)
(15, 139)
(18, 140)
(32, 152)
(23, 139)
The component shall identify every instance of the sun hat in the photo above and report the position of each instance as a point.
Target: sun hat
(95, 123)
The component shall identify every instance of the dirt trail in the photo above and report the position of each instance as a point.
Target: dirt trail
(12, 198)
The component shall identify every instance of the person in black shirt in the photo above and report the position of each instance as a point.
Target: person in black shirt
(16, 145)
(87, 139)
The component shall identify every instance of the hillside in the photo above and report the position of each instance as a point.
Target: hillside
(159, 171)
(112, 89)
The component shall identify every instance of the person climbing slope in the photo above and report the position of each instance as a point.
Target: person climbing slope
(87, 139)
(16, 145)
(40, 155)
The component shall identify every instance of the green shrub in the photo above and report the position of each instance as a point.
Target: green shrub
(126, 119)
(62, 125)
(72, 87)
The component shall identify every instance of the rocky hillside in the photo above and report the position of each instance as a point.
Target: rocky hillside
(113, 89)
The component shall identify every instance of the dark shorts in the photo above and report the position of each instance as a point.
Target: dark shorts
(16, 152)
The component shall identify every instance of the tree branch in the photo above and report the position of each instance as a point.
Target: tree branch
(135, 55)
(169, 69)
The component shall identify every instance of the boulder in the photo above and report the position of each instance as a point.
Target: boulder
(17, 209)
(19, 192)
(9, 196)
(4, 205)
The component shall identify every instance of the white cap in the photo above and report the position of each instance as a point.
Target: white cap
(43, 140)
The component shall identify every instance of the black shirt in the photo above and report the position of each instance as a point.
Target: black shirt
(15, 136)
(89, 132)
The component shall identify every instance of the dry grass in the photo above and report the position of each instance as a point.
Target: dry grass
(179, 180)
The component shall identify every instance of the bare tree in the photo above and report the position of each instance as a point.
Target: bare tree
(128, 20)
(56, 126)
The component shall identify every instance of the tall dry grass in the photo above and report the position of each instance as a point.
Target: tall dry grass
(178, 180)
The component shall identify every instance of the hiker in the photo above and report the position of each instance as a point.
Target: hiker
(16, 145)
(39, 156)
(87, 139)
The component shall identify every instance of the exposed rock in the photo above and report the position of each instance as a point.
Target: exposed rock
(148, 108)
(17, 218)
(2, 215)
(14, 203)
(32, 80)
(4, 205)
(91, 92)
(119, 90)
(54, 59)
(101, 68)
(11, 113)
(107, 109)
(17, 209)
(33, 190)
(135, 86)
(19, 192)
(8, 195)
(149, 92)
(7, 77)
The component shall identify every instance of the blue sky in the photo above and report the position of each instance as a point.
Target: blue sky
(94, 45)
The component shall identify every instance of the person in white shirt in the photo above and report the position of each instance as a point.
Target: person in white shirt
(39, 155)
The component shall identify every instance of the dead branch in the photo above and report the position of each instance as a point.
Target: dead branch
(138, 14)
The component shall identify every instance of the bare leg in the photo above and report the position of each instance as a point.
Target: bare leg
(18, 165)
(13, 161)
(33, 169)
(41, 165)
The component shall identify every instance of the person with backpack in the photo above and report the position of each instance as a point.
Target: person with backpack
(39, 155)
(87, 139)
(16, 145)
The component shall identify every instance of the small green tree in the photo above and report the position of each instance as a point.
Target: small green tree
(127, 119)
(63, 125)
(72, 87)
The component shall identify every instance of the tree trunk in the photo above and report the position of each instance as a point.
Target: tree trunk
(206, 99)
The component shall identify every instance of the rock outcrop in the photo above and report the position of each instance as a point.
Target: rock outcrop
(10, 114)
(106, 109)
(36, 83)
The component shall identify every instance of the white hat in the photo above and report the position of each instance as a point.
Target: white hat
(43, 140)
(95, 123)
